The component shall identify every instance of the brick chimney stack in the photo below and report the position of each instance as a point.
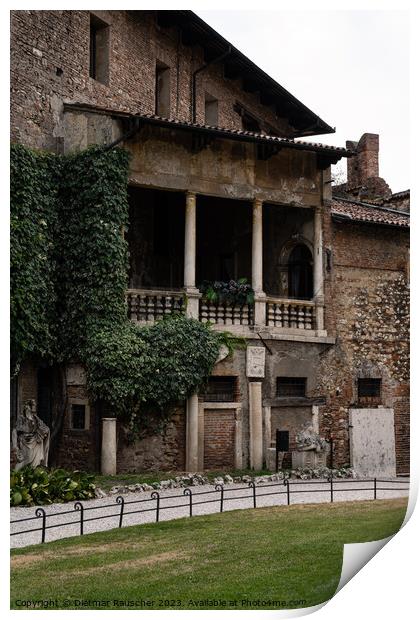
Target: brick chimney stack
(363, 168)
(366, 162)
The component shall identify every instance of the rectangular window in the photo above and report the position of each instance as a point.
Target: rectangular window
(99, 50)
(78, 417)
(211, 112)
(292, 387)
(163, 90)
(369, 390)
(221, 390)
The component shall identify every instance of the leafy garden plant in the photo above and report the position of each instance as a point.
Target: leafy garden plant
(37, 486)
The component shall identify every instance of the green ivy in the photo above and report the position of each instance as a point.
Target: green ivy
(33, 215)
(69, 279)
(93, 270)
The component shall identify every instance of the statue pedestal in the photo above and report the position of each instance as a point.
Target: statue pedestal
(308, 458)
(270, 459)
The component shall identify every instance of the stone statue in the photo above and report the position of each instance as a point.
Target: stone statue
(30, 438)
(307, 439)
(311, 450)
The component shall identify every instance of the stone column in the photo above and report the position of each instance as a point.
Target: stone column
(257, 261)
(109, 447)
(191, 444)
(315, 418)
(238, 438)
(200, 448)
(255, 425)
(190, 255)
(318, 269)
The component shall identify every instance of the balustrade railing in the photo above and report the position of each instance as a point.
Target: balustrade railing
(225, 314)
(291, 313)
(146, 306)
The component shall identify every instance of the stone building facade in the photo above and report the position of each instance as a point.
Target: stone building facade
(225, 185)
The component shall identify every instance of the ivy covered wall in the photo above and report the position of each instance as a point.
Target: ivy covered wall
(69, 265)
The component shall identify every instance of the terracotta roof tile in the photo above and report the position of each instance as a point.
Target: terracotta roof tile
(373, 214)
(249, 136)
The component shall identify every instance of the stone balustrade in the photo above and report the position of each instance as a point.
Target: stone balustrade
(147, 306)
(291, 313)
(217, 313)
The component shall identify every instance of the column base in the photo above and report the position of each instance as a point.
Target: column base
(193, 296)
(260, 309)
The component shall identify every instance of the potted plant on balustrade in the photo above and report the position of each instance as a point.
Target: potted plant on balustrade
(231, 293)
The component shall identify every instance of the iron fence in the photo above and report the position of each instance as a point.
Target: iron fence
(285, 487)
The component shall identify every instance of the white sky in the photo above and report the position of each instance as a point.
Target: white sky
(349, 67)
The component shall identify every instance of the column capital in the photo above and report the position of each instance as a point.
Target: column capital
(258, 200)
(190, 194)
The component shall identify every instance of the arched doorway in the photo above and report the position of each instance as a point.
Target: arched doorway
(300, 273)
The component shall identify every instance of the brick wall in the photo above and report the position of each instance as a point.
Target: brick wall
(79, 449)
(367, 306)
(50, 64)
(219, 438)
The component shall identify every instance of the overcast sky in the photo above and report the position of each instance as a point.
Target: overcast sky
(349, 67)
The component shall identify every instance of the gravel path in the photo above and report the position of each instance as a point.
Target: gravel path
(104, 514)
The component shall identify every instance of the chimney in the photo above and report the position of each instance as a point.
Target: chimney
(365, 164)
(363, 168)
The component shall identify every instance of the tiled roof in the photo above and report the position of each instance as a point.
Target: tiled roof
(346, 210)
(238, 65)
(235, 134)
(250, 134)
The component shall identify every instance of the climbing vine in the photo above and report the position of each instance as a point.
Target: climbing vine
(69, 278)
(33, 216)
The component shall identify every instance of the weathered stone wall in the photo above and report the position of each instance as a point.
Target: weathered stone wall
(164, 451)
(50, 64)
(163, 158)
(79, 449)
(367, 306)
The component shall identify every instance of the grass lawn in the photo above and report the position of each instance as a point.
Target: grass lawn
(107, 482)
(290, 556)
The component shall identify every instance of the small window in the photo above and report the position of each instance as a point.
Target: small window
(249, 121)
(220, 390)
(292, 387)
(250, 124)
(163, 90)
(211, 111)
(369, 390)
(99, 50)
(79, 420)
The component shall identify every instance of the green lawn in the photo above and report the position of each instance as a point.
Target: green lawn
(290, 556)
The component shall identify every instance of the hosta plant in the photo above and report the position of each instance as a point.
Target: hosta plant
(36, 486)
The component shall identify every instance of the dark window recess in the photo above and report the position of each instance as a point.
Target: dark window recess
(99, 50)
(221, 390)
(162, 90)
(249, 122)
(211, 113)
(291, 387)
(13, 401)
(300, 273)
(369, 388)
(44, 395)
(78, 417)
